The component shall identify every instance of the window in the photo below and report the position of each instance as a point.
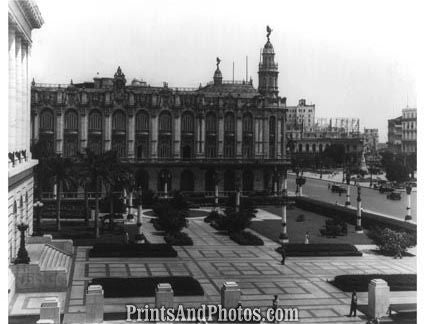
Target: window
(46, 120)
(229, 138)
(187, 123)
(71, 120)
(119, 121)
(95, 121)
(272, 137)
(142, 122)
(229, 123)
(164, 143)
(119, 133)
(165, 122)
(211, 135)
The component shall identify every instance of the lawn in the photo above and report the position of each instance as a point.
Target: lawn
(271, 228)
(145, 287)
(397, 282)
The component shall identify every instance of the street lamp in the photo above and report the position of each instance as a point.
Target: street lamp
(300, 181)
(22, 257)
(165, 176)
(408, 216)
(38, 205)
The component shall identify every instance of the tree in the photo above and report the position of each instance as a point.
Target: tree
(335, 153)
(62, 171)
(392, 242)
(394, 167)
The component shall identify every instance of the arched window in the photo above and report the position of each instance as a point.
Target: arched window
(46, 120)
(307, 148)
(188, 124)
(272, 137)
(94, 143)
(142, 135)
(142, 122)
(165, 122)
(119, 126)
(300, 148)
(211, 135)
(187, 182)
(229, 135)
(165, 127)
(247, 136)
(70, 145)
(71, 120)
(314, 148)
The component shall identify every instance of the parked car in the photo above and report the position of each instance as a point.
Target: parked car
(394, 196)
(338, 189)
(386, 188)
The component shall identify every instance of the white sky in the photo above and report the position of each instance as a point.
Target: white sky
(352, 59)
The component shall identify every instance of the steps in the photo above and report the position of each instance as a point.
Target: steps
(53, 258)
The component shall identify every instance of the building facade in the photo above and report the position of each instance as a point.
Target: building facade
(395, 134)
(185, 138)
(409, 130)
(371, 139)
(301, 116)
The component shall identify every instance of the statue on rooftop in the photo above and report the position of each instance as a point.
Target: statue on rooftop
(269, 31)
(218, 62)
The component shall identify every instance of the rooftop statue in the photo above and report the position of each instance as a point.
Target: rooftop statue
(269, 31)
(218, 62)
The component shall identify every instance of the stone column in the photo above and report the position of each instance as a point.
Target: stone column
(36, 126)
(107, 132)
(18, 99)
(177, 135)
(378, 298)
(408, 216)
(25, 126)
(94, 304)
(84, 131)
(220, 135)
(261, 139)
(59, 132)
(257, 136)
(230, 294)
(12, 88)
(266, 137)
(238, 136)
(283, 234)
(139, 218)
(50, 310)
(131, 135)
(164, 296)
(279, 138)
(202, 142)
(359, 228)
(154, 141)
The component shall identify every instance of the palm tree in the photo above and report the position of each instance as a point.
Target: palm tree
(62, 171)
(95, 170)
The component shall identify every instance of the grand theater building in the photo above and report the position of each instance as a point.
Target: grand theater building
(186, 138)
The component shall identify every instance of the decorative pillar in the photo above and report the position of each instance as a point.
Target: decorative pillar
(154, 141)
(347, 197)
(266, 137)
(202, 142)
(238, 136)
(18, 99)
(36, 126)
(220, 135)
(139, 217)
(197, 136)
(378, 298)
(359, 228)
(261, 139)
(279, 138)
(131, 134)
(257, 136)
(230, 295)
(50, 310)
(164, 296)
(283, 237)
(177, 135)
(108, 130)
(12, 87)
(94, 304)
(25, 126)
(408, 200)
(22, 257)
(238, 198)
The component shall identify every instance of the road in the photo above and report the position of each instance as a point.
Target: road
(371, 199)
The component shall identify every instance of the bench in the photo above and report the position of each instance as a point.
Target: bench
(403, 308)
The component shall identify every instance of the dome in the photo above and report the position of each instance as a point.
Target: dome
(268, 48)
(217, 74)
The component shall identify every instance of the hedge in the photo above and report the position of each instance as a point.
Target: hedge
(179, 239)
(145, 286)
(246, 238)
(113, 250)
(319, 250)
(397, 282)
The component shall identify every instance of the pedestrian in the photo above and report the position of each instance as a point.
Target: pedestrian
(275, 302)
(283, 254)
(307, 238)
(353, 306)
(329, 186)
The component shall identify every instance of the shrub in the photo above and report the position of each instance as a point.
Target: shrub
(212, 216)
(179, 239)
(179, 202)
(391, 242)
(334, 227)
(105, 205)
(170, 219)
(323, 249)
(397, 282)
(300, 218)
(236, 221)
(246, 238)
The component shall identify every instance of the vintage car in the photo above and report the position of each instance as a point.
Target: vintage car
(338, 189)
(394, 196)
(386, 188)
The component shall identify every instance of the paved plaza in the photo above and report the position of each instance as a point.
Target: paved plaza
(214, 258)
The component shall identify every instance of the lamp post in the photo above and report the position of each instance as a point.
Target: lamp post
(300, 181)
(408, 216)
(22, 257)
(347, 178)
(165, 176)
(38, 205)
(359, 228)
(139, 210)
(216, 180)
(283, 237)
(238, 195)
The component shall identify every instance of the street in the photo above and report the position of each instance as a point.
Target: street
(371, 199)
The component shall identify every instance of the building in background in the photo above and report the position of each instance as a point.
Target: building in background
(23, 17)
(371, 139)
(300, 117)
(395, 134)
(181, 137)
(409, 130)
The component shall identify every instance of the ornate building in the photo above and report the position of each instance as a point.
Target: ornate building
(187, 138)
(23, 17)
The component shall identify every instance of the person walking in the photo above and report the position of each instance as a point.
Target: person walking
(307, 238)
(283, 254)
(353, 306)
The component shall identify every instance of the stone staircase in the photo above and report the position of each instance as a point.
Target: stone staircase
(52, 258)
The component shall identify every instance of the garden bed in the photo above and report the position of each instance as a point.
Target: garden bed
(145, 287)
(132, 251)
(319, 250)
(179, 239)
(246, 238)
(397, 282)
